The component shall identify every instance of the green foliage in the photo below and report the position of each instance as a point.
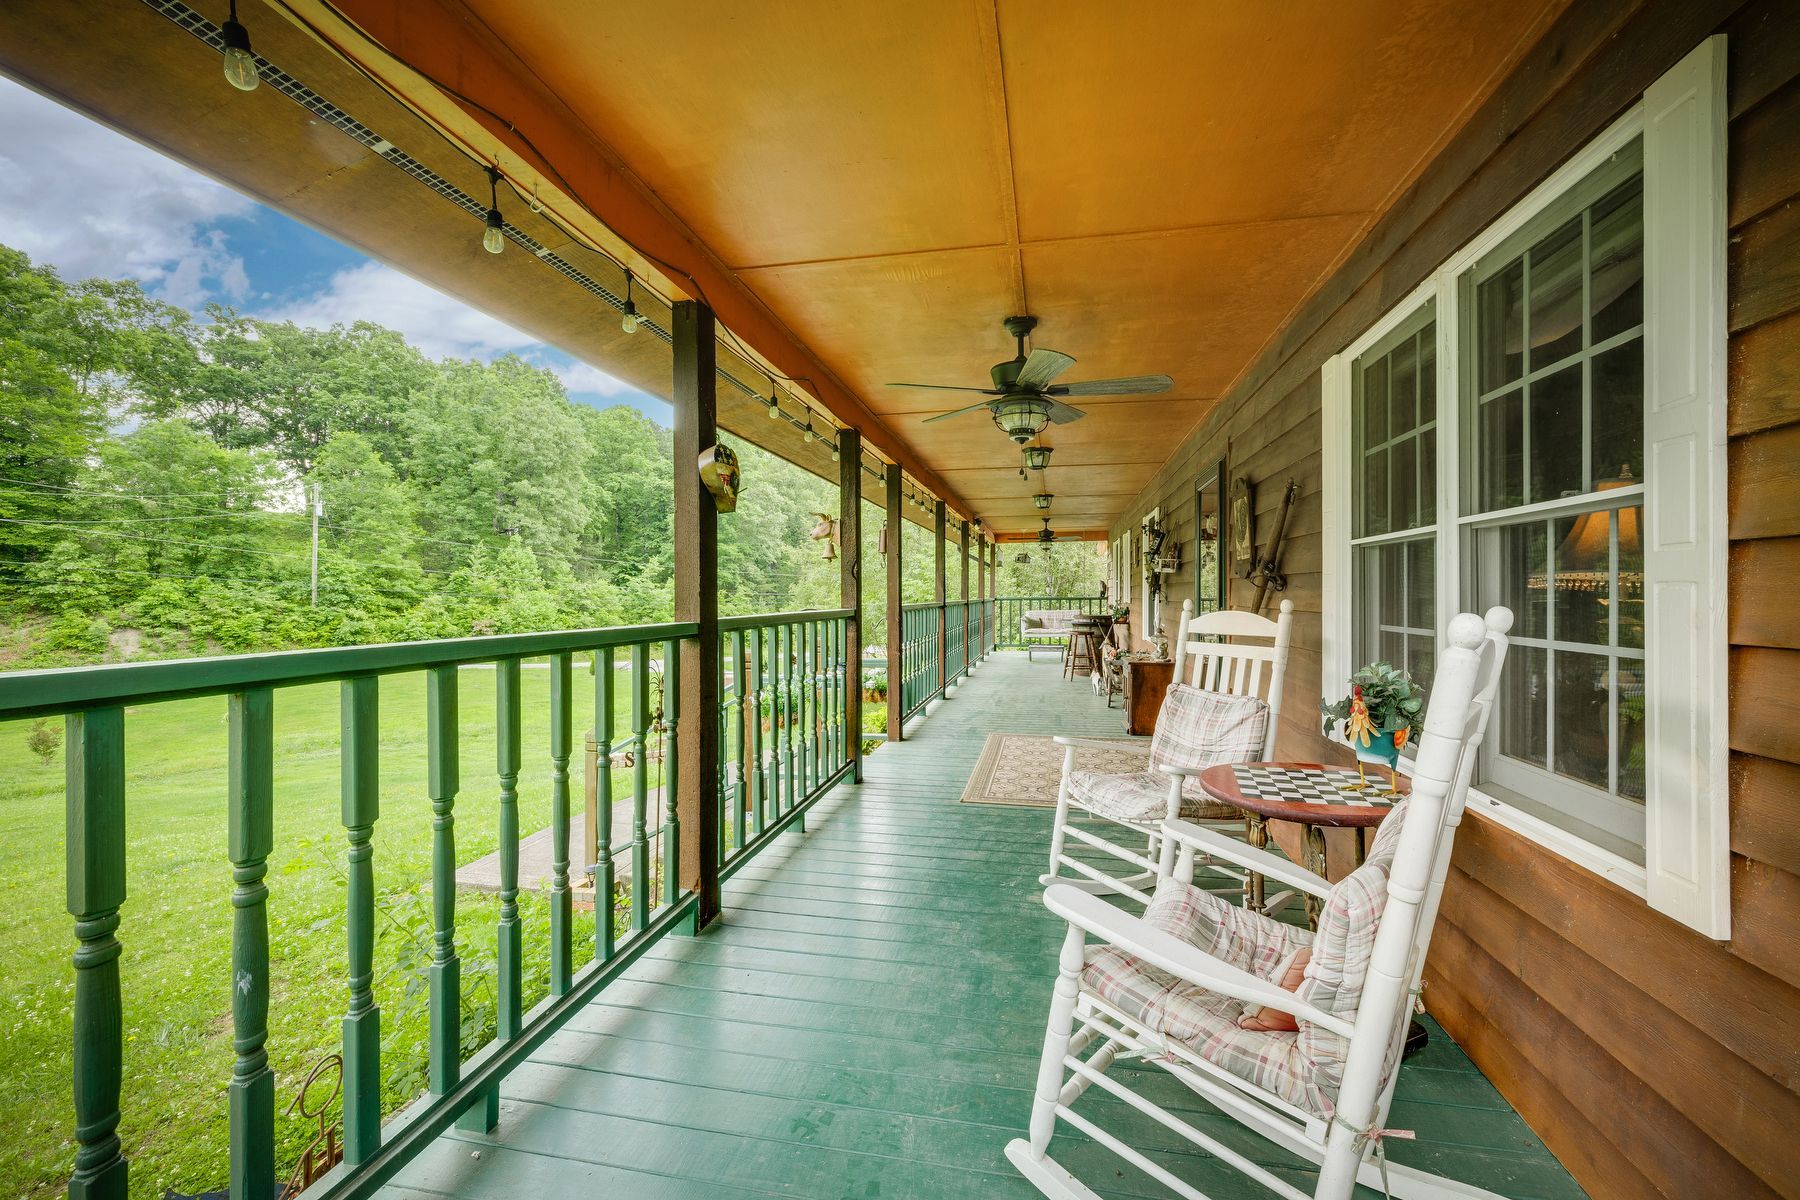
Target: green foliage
(1394, 702)
(44, 740)
(1056, 569)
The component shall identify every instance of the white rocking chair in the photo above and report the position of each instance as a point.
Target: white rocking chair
(1250, 672)
(1172, 985)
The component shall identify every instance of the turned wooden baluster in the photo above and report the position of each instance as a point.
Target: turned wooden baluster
(361, 795)
(790, 652)
(250, 835)
(740, 687)
(671, 864)
(95, 849)
(640, 786)
(444, 975)
(603, 802)
(562, 738)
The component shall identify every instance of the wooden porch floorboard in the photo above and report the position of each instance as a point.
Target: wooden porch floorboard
(865, 1020)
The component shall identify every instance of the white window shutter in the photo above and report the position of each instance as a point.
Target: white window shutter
(1335, 574)
(1688, 846)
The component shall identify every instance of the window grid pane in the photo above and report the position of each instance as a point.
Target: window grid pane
(1558, 360)
(1394, 430)
(1573, 701)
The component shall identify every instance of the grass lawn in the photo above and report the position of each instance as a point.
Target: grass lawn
(176, 921)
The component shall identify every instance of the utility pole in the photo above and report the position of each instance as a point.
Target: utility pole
(317, 491)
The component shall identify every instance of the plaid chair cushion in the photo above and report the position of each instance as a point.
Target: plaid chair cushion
(1142, 797)
(1343, 946)
(1306, 1067)
(1194, 729)
(1203, 1021)
(1203, 729)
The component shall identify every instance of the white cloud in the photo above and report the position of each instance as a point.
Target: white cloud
(441, 326)
(588, 380)
(90, 202)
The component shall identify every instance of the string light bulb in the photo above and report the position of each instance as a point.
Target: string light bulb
(835, 454)
(809, 435)
(240, 63)
(774, 406)
(493, 238)
(629, 320)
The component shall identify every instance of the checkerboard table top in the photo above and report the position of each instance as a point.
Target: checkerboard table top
(1309, 793)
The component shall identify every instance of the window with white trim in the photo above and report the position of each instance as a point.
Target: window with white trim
(1541, 425)
(1394, 497)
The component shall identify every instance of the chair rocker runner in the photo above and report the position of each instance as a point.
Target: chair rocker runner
(1223, 705)
(1189, 985)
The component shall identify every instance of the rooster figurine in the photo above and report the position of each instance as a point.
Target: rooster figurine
(1360, 730)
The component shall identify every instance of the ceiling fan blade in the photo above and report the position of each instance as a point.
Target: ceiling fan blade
(955, 413)
(1041, 368)
(1062, 413)
(1136, 385)
(945, 387)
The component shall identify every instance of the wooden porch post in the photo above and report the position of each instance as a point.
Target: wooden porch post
(896, 665)
(697, 599)
(963, 557)
(850, 587)
(940, 594)
(981, 586)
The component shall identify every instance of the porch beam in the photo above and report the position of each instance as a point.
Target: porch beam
(896, 664)
(697, 600)
(850, 588)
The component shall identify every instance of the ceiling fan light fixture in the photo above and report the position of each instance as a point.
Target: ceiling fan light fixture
(1022, 418)
(1038, 457)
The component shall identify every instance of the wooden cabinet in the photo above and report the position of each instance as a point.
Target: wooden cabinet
(1145, 682)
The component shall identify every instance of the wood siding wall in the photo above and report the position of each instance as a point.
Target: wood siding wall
(1654, 1062)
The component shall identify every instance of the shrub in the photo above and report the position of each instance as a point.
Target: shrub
(44, 740)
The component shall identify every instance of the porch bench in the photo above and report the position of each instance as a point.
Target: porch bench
(1052, 625)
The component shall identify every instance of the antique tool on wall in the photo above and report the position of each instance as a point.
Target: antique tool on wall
(1265, 571)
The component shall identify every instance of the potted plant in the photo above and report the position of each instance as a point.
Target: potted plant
(1378, 718)
(875, 686)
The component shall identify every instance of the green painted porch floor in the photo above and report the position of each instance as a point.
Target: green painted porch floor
(865, 1020)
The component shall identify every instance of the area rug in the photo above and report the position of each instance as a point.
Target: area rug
(1025, 769)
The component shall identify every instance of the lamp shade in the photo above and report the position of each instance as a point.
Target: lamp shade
(1583, 555)
(1021, 419)
(1037, 457)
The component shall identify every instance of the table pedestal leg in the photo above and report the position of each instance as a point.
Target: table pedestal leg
(1315, 862)
(1256, 833)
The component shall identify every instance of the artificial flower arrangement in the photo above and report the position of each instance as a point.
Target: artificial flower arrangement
(1378, 717)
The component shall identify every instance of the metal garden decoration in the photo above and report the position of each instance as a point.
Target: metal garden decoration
(1379, 717)
(719, 472)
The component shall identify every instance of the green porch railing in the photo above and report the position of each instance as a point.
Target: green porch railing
(956, 640)
(1011, 610)
(798, 656)
(921, 682)
(783, 684)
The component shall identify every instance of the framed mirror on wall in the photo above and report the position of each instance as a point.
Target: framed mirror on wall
(1209, 532)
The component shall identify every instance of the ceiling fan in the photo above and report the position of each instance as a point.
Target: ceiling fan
(1046, 535)
(1024, 396)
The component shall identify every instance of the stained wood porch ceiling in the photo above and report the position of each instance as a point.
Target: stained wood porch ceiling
(1161, 183)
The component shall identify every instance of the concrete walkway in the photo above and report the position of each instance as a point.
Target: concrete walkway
(535, 850)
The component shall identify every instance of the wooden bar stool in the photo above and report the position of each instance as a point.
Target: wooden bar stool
(1083, 652)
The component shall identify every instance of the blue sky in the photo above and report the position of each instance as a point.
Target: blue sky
(89, 201)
